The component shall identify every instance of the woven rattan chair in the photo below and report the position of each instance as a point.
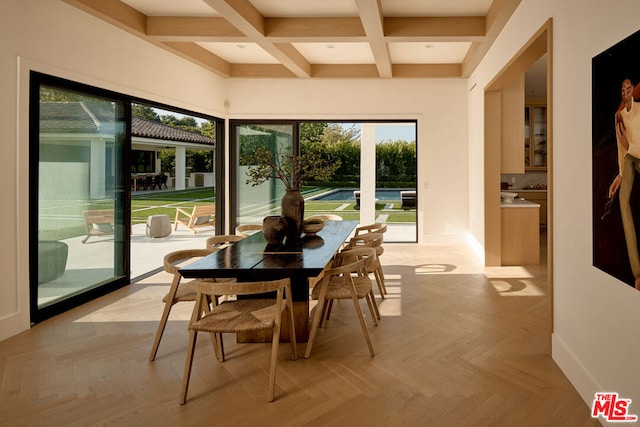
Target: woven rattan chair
(347, 279)
(372, 240)
(178, 291)
(242, 315)
(243, 230)
(216, 243)
(377, 227)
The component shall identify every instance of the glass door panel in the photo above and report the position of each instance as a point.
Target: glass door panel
(340, 143)
(395, 177)
(78, 196)
(253, 202)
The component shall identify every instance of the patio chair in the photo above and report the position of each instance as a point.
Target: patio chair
(178, 291)
(98, 222)
(408, 199)
(347, 279)
(200, 216)
(242, 315)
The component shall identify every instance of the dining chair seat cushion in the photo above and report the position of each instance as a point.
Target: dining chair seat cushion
(338, 289)
(242, 314)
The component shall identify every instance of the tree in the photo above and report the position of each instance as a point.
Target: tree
(144, 112)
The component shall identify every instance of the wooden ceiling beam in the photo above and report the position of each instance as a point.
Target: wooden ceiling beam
(499, 13)
(114, 12)
(192, 28)
(200, 56)
(372, 20)
(246, 18)
(467, 28)
(323, 28)
(423, 71)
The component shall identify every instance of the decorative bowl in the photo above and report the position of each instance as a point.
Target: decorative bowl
(312, 226)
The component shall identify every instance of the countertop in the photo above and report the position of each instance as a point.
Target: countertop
(519, 203)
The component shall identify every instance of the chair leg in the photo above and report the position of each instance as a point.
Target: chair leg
(356, 303)
(193, 336)
(275, 343)
(379, 274)
(292, 334)
(173, 290)
(317, 319)
(373, 307)
(328, 309)
(218, 346)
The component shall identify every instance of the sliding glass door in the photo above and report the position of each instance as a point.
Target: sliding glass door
(375, 180)
(79, 233)
(251, 203)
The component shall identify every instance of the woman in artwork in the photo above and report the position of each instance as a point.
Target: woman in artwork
(627, 126)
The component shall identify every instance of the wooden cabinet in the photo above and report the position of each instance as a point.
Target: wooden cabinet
(539, 197)
(535, 136)
(519, 234)
(512, 127)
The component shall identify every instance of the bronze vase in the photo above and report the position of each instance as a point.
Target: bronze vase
(292, 207)
(274, 229)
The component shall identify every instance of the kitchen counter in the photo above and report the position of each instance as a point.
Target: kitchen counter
(520, 233)
(519, 203)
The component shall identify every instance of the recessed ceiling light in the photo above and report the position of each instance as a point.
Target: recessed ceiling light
(240, 46)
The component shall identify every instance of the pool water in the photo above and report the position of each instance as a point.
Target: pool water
(386, 194)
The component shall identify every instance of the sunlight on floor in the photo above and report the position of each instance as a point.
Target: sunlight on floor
(516, 288)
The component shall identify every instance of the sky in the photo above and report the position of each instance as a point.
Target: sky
(391, 131)
(395, 131)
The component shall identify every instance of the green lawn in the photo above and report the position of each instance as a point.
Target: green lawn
(65, 219)
(144, 205)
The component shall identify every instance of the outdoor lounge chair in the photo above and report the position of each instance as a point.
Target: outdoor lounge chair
(408, 199)
(200, 216)
(97, 223)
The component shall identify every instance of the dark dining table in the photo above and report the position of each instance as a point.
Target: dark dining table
(252, 259)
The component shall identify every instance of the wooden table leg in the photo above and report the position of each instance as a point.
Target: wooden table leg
(300, 318)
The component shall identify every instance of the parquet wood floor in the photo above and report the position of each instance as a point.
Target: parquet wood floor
(458, 345)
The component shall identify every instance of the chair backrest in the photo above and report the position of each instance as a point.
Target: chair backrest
(244, 288)
(216, 243)
(204, 210)
(355, 260)
(241, 230)
(172, 259)
(326, 217)
(203, 214)
(370, 240)
(376, 227)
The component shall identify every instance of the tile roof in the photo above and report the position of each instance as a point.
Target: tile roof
(80, 117)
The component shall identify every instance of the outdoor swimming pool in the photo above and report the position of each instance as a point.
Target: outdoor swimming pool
(342, 194)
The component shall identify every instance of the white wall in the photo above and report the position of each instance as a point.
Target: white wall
(54, 38)
(438, 105)
(596, 317)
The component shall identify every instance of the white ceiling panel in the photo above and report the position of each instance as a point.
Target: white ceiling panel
(424, 53)
(435, 7)
(237, 53)
(336, 53)
(171, 7)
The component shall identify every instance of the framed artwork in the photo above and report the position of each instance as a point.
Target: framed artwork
(616, 160)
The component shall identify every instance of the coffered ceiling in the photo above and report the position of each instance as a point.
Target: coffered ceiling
(316, 38)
